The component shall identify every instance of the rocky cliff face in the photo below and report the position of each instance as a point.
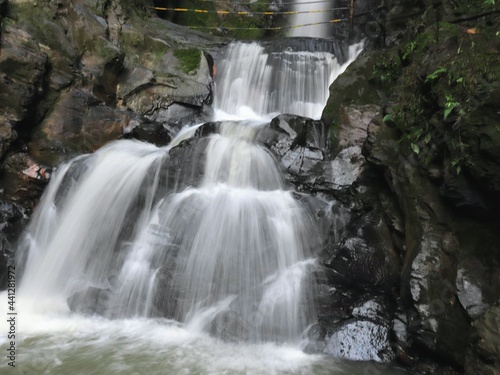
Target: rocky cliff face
(429, 102)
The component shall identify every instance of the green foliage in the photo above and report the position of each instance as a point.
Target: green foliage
(189, 59)
(449, 106)
(408, 50)
(436, 74)
(386, 71)
(388, 117)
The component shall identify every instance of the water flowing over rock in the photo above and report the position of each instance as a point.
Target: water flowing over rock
(200, 231)
(278, 226)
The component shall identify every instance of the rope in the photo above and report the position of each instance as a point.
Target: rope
(267, 13)
(267, 28)
(268, 4)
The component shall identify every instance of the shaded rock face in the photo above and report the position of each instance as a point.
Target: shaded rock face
(13, 218)
(436, 196)
(483, 356)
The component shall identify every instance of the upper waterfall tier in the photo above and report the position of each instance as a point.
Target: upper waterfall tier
(251, 79)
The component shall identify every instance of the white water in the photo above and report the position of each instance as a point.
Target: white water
(227, 258)
(266, 84)
(317, 19)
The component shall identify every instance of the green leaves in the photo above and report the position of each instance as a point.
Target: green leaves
(435, 74)
(449, 106)
(388, 117)
(415, 148)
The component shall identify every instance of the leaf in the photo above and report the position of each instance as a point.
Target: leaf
(388, 117)
(447, 112)
(459, 169)
(415, 148)
(435, 73)
(427, 138)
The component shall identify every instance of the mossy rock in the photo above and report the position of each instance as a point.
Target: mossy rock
(189, 59)
(359, 84)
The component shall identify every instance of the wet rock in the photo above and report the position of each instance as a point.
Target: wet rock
(79, 123)
(24, 179)
(364, 256)
(361, 341)
(149, 131)
(346, 168)
(483, 356)
(153, 88)
(353, 124)
(23, 66)
(463, 195)
(91, 301)
(187, 163)
(178, 115)
(299, 144)
(470, 295)
(13, 219)
(438, 321)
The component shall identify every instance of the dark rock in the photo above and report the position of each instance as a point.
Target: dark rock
(187, 163)
(463, 195)
(178, 115)
(152, 132)
(22, 69)
(92, 301)
(299, 144)
(13, 219)
(483, 356)
(361, 340)
(365, 256)
(24, 179)
(79, 123)
(152, 89)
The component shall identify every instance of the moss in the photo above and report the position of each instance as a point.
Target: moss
(443, 83)
(189, 59)
(38, 21)
(142, 48)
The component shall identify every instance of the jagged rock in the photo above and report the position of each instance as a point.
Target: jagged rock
(483, 357)
(361, 340)
(79, 123)
(364, 256)
(151, 132)
(300, 145)
(13, 219)
(470, 294)
(23, 66)
(151, 89)
(178, 115)
(24, 179)
(353, 124)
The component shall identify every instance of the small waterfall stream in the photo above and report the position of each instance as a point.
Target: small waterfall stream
(158, 271)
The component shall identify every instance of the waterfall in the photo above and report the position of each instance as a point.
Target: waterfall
(117, 233)
(255, 81)
(312, 13)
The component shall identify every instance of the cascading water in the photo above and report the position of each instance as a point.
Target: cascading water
(268, 83)
(311, 19)
(164, 256)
